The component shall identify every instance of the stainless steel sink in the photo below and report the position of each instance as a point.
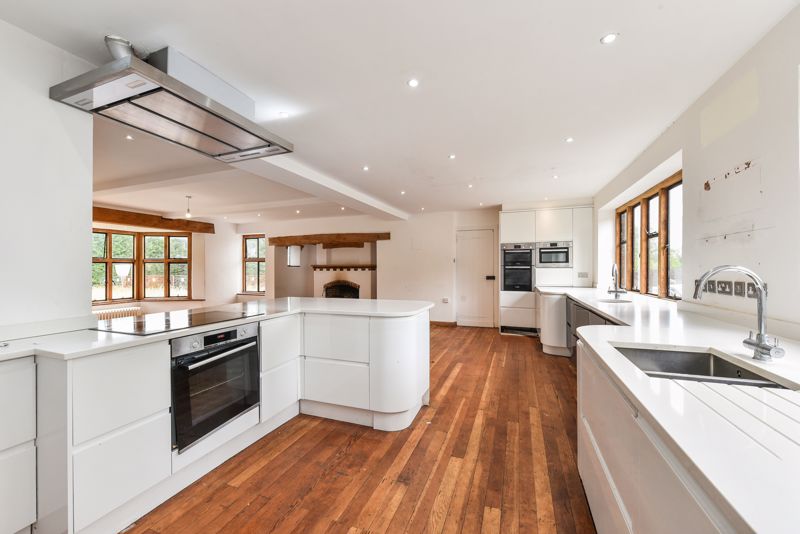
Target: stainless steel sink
(700, 366)
(614, 301)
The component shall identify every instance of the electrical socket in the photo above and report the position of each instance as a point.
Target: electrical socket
(751, 290)
(724, 287)
(445, 300)
(739, 289)
(711, 286)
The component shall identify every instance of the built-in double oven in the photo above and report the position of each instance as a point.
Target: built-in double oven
(517, 266)
(215, 379)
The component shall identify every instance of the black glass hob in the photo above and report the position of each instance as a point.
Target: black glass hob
(157, 323)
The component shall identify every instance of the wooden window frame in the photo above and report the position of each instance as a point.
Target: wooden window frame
(139, 263)
(245, 260)
(661, 190)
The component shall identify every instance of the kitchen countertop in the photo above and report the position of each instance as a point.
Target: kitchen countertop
(81, 343)
(742, 444)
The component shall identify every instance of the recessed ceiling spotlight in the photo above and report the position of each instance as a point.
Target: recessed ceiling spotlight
(480, 203)
(609, 38)
(342, 208)
(402, 192)
(422, 209)
(569, 140)
(365, 168)
(470, 186)
(129, 137)
(545, 198)
(297, 212)
(225, 217)
(413, 82)
(259, 215)
(555, 177)
(452, 156)
(283, 114)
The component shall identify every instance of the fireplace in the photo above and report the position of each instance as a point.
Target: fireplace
(341, 289)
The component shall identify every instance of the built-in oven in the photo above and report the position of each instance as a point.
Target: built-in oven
(554, 254)
(517, 266)
(215, 379)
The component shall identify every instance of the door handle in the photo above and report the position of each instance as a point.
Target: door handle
(491, 277)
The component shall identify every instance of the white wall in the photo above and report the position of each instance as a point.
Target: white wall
(750, 113)
(293, 281)
(223, 264)
(45, 191)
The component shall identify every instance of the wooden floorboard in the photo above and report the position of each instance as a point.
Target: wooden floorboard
(495, 452)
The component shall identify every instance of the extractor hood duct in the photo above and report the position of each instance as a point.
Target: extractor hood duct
(137, 93)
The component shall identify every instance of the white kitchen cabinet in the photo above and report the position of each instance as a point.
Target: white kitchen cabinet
(517, 226)
(118, 467)
(554, 224)
(118, 388)
(517, 299)
(582, 247)
(337, 382)
(280, 388)
(553, 276)
(518, 317)
(340, 337)
(17, 487)
(636, 490)
(281, 341)
(17, 402)
(553, 324)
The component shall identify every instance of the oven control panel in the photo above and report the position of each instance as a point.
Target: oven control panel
(215, 338)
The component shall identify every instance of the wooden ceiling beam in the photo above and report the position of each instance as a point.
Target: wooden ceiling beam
(330, 240)
(147, 220)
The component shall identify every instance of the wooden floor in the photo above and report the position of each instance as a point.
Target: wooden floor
(494, 452)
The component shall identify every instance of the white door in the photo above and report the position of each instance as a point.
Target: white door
(475, 277)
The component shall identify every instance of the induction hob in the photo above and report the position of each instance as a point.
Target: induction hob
(157, 323)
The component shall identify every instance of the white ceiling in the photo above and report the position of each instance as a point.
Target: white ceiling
(501, 84)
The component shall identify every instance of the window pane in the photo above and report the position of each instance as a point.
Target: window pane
(153, 247)
(652, 215)
(262, 247)
(122, 246)
(652, 265)
(98, 281)
(637, 227)
(251, 276)
(623, 227)
(623, 261)
(178, 247)
(154, 279)
(251, 247)
(262, 276)
(98, 245)
(675, 235)
(121, 281)
(178, 278)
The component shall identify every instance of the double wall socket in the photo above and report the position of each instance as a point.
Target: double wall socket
(730, 288)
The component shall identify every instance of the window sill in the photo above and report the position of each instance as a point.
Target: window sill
(141, 301)
(253, 293)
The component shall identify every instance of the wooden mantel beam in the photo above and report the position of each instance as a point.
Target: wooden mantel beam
(329, 240)
(147, 220)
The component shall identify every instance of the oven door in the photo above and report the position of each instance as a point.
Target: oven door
(520, 257)
(518, 278)
(211, 387)
(554, 257)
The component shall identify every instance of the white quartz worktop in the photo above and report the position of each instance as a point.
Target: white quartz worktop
(80, 343)
(742, 444)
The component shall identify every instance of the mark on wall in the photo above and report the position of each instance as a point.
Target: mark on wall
(733, 193)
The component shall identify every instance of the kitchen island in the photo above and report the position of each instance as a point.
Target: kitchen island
(664, 455)
(104, 403)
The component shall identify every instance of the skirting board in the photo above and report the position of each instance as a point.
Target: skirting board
(134, 509)
(443, 323)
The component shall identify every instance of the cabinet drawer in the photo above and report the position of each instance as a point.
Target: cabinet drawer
(122, 465)
(341, 337)
(118, 388)
(281, 339)
(280, 387)
(517, 299)
(336, 382)
(17, 402)
(518, 317)
(18, 487)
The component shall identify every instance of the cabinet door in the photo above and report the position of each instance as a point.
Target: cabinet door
(517, 227)
(280, 387)
(119, 467)
(582, 244)
(595, 319)
(17, 402)
(554, 225)
(117, 388)
(281, 341)
(18, 487)
(553, 328)
(340, 337)
(337, 382)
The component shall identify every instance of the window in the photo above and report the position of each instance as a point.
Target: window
(135, 266)
(254, 263)
(649, 240)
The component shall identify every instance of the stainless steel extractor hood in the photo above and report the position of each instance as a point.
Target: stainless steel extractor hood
(134, 92)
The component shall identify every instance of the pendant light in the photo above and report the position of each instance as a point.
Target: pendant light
(188, 209)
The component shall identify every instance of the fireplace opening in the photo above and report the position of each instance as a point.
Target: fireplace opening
(341, 289)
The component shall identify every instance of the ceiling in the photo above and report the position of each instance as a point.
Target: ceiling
(500, 88)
